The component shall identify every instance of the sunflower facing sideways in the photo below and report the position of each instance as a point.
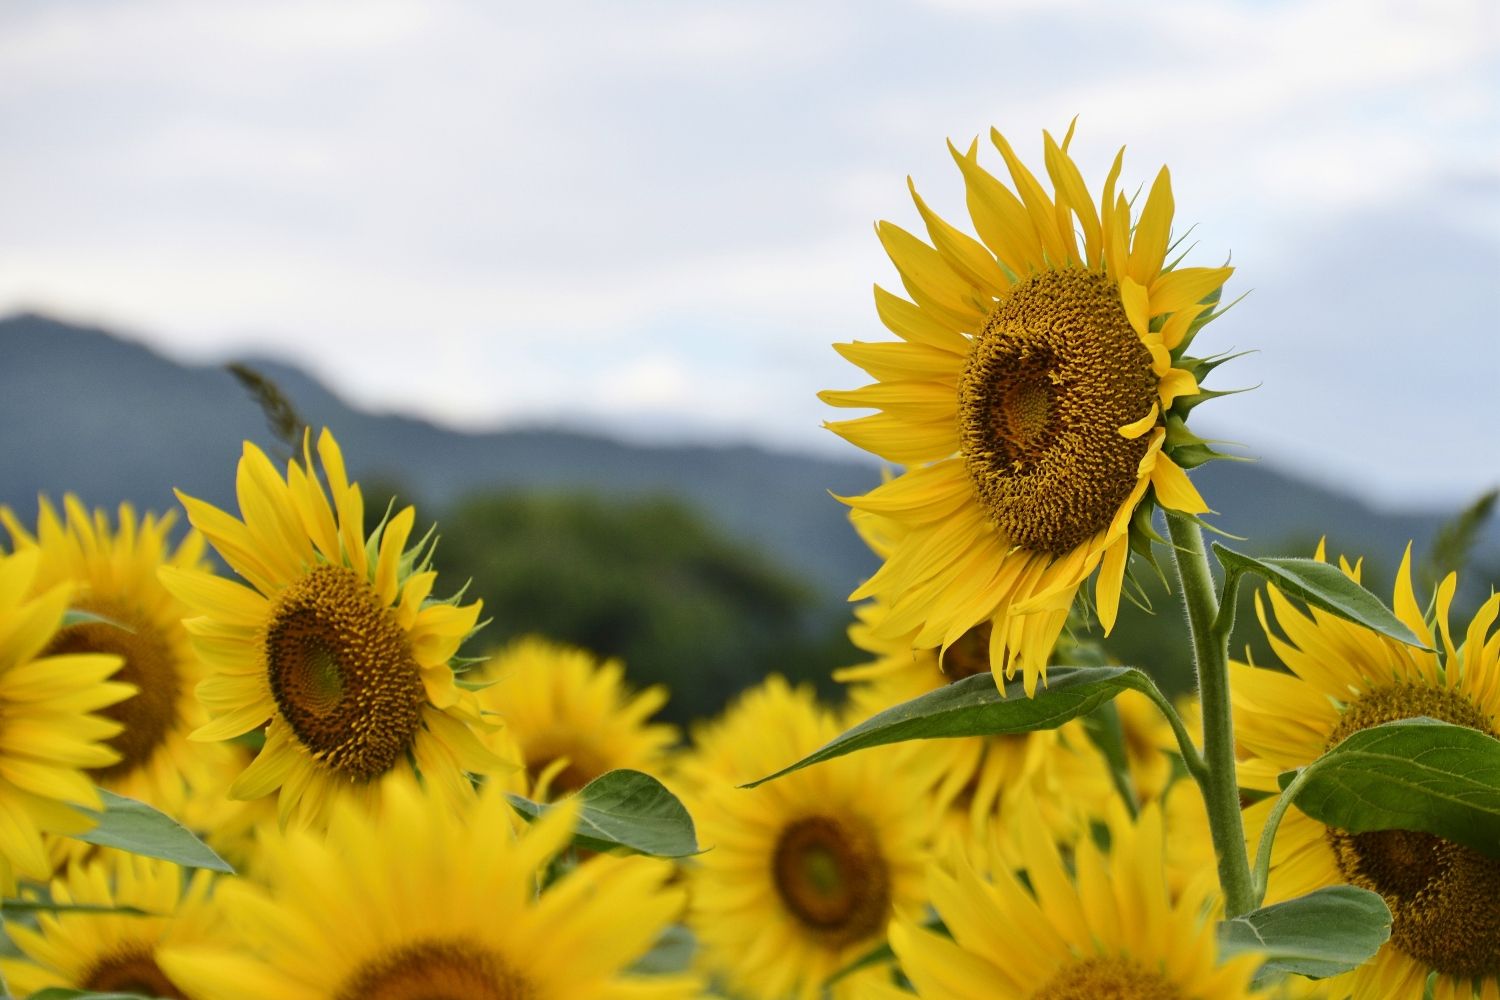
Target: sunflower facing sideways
(572, 716)
(1444, 897)
(432, 901)
(114, 573)
(332, 639)
(1036, 397)
(805, 872)
(52, 726)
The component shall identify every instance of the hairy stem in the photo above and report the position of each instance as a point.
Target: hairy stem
(1209, 627)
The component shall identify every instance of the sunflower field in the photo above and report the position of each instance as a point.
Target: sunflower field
(269, 753)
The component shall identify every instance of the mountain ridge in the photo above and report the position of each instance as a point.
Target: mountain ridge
(83, 409)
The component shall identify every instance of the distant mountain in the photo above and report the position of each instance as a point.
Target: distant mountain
(87, 411)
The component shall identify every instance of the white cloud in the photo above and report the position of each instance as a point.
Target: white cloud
(660, 211)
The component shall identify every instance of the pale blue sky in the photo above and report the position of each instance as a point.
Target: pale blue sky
(652, 218)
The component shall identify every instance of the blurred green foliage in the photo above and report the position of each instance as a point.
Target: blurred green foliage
(653, 582)
(648, 581)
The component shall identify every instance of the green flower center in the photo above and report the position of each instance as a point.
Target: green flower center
(831, 876)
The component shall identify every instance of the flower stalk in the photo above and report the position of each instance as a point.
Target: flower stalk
(1209, 623)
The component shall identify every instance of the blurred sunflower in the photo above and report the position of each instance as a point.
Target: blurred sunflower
(807, 870)
(572, 716)
(332, 639)
(114, 573)
(114, 952)
(1037, 397)
(1444, 897)
(1102, 926)
(430, 900)
(975, 778)
(53, 728)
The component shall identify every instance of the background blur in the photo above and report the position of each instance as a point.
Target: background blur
(567, 274)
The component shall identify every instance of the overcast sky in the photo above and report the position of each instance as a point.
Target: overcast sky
(653, 218)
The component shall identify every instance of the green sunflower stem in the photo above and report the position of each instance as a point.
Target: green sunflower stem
(1209, 626)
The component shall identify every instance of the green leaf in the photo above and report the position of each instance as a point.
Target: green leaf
(672, 953)
(1456, 540)
(77, 616)
(1415, 774)
(47, 906)
(627, 809)
(133, 826)
(975, 707)
(1324, 933)
(1322, 586)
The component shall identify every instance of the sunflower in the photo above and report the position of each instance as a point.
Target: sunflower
(432, 901)
(114, 952)
(114, 573)
(52, 730)
(805, 871)
(1444, 898)
(572, 716)
(1036, 397)
(1103, 926)
(332, 639)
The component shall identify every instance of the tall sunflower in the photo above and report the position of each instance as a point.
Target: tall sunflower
(806, 871)
(332, 639)
(52, 730)
(572, 716)
(114, 952)
(1037, 399)
(113, 569)
(430, 901)
(1103, 926)
(1444, 897)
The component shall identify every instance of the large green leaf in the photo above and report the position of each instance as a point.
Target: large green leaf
(627, 809)
(136, 827)
(1322, 586)
(1324, 933)
(974, 706)
(1416, 774)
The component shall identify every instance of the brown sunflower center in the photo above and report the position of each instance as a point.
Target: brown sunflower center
(831, 876)
(1108, 979)
(1055, 373)
(132, 971)
(1444, 897)
(148, 662)
(343, 674)
(436, 970)
(969, 654)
